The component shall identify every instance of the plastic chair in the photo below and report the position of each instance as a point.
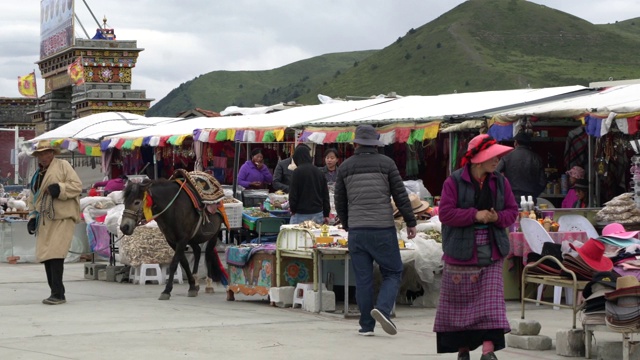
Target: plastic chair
(536, 236)
(577, 223)
(268, 226)
(546, 202)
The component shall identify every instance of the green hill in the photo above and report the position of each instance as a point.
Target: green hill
(218, 89)
(480, 45)
(494, 44)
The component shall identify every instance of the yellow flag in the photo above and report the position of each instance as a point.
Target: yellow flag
(76, 72)
(27, 85)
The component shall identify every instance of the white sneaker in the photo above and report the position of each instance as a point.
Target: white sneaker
(388, 326)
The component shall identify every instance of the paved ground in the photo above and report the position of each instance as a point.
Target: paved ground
(104, 320)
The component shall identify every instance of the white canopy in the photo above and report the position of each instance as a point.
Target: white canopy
(173, 127)
(235, 110)
(428, 108)
(280, 119)
(617, 99)
(95, 127)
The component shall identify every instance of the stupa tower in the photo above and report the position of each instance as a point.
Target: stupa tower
(107, 66)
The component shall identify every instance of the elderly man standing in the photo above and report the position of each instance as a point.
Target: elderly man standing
(363, 190)
(54, 210)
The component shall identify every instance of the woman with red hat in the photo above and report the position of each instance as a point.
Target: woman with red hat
(476, 207)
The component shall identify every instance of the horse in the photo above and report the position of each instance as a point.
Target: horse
(181, 224)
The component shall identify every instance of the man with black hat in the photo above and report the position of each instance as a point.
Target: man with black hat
(365, 184)
(54, 210)
(524, 169)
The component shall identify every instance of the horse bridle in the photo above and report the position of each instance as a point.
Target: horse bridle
(135, 215)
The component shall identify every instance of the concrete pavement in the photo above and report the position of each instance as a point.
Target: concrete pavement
(104, 320)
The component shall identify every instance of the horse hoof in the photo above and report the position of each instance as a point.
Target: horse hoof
(230, 296)
(164, 296)
(192, 293)
(209, 290)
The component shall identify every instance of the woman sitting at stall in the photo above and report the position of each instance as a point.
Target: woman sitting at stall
(575, 174)
(330, 169)
(254, 174)
(581, 188)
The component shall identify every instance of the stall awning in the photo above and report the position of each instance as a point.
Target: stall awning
(623, 100)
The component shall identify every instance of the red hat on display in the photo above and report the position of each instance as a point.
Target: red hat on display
(617, 230)
(592, 252)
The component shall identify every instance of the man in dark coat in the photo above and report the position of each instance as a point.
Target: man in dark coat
(363, 190)
(524, 169)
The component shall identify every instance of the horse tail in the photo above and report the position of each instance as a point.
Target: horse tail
(219, 273)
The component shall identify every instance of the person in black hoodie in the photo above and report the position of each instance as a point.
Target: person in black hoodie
(308, 192)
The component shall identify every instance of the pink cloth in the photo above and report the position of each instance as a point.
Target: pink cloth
(570, 199)
(520, 247)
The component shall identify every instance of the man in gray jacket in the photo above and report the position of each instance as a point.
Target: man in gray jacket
(364, 187)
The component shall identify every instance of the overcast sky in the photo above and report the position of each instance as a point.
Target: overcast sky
(185, 38)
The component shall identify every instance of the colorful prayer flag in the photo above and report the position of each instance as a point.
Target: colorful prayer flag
(27, 85)
(76, 72)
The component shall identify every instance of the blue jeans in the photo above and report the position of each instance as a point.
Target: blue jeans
(298, 218)
(381, 246)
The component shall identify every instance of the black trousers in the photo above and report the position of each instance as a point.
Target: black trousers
(55, 269)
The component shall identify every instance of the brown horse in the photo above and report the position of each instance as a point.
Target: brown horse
(180, 223)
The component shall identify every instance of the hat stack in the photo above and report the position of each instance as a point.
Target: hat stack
(594, 294)
(547, 267)
(615, 234)
(626, 245)
(418, 206)
(622, 307)
(587, 260)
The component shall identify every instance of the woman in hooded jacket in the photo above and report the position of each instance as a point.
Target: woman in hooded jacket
(308, 192)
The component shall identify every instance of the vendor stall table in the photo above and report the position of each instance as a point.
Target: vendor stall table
(252, 269)
(519, 246)
(15, 241)
(335, 253)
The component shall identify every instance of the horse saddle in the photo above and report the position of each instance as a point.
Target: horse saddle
(205, 192)
(204, 185)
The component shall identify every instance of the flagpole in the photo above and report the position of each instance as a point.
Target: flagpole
(84, 81)
(35, 85)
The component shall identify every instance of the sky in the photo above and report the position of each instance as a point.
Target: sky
(183, 39)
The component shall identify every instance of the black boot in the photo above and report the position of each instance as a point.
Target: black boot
(57, 287)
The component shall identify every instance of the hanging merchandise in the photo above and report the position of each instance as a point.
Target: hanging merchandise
(412, 160)
(575, 151)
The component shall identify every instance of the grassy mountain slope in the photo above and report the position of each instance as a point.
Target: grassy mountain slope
(218, 89)
(629, 28)
(494, 44)
(480, 45)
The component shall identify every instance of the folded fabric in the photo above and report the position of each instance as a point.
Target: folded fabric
(238, 256)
